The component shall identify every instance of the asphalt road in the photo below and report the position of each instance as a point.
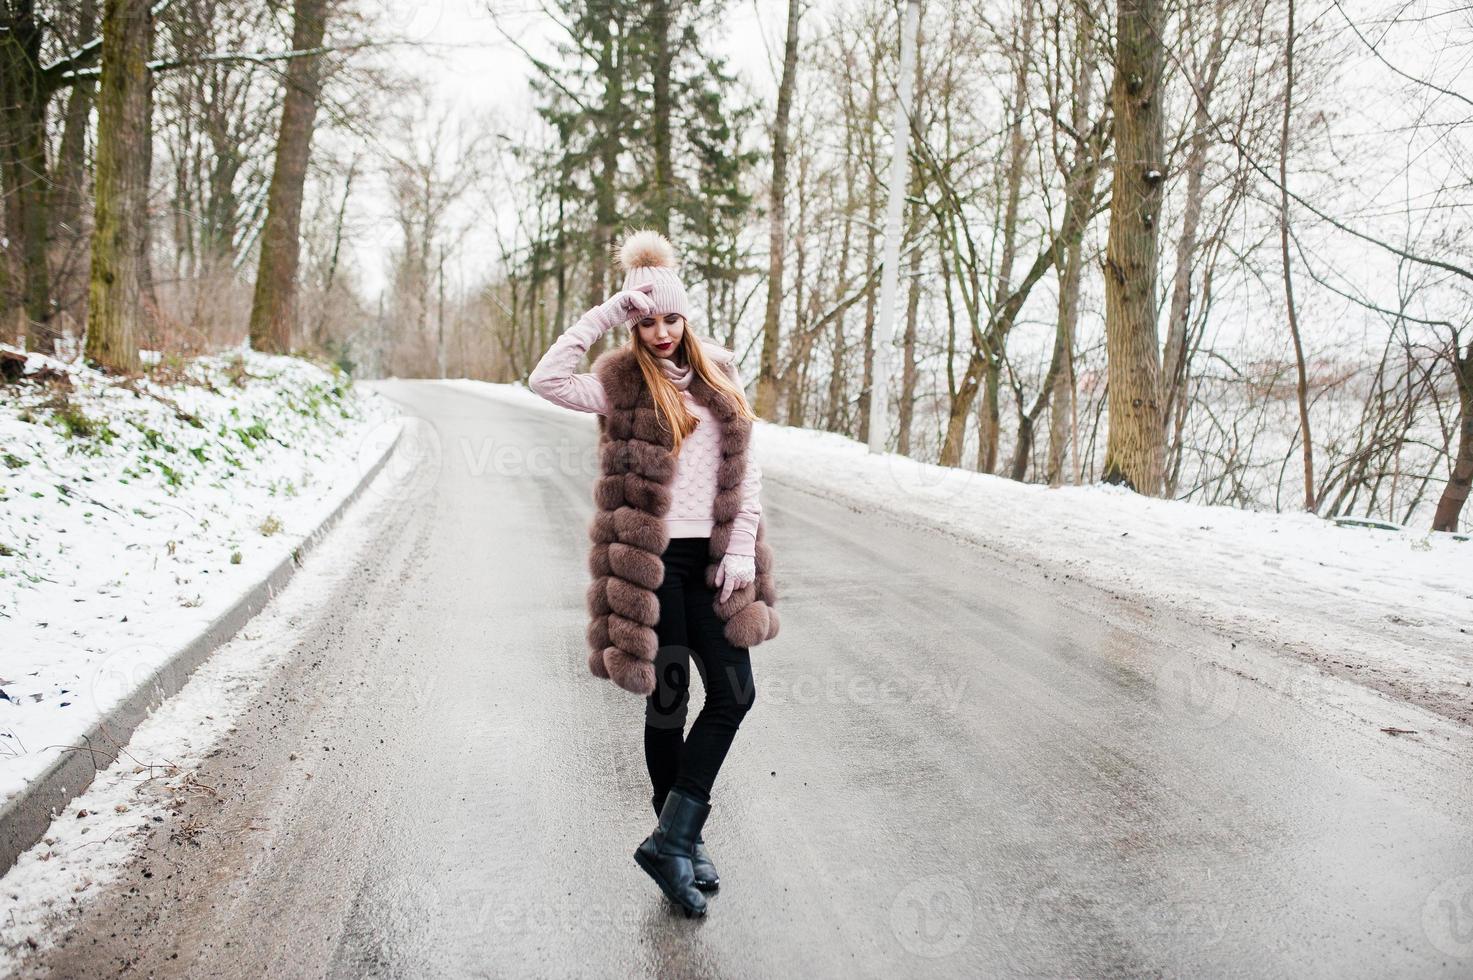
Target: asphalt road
(958, 764)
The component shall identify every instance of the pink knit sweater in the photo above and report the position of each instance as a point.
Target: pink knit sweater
(693, 489)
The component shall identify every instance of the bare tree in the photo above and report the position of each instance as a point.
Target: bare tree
(1306, 442)
(1204, 76)
(766, 402)
(428, 179)
(1061, 392)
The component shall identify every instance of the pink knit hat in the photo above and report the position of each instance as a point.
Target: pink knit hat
(648, 257)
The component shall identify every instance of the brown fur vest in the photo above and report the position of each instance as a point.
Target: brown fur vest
(629, 535)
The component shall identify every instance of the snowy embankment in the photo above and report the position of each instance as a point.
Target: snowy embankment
(1391, 609)
(136, 511)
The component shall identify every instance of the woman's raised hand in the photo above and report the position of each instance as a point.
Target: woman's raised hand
(625, 305)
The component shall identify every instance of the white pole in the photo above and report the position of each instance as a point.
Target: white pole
(879, 396)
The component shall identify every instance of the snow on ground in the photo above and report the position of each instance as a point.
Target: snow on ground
(1392, 609)
(135, 513)
(90, 842)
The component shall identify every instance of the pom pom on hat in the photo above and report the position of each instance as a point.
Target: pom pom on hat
(646, 249)
(647, 257)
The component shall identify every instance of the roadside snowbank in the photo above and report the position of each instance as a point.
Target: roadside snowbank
(1391, 609)
(89, 844)
(135, 512)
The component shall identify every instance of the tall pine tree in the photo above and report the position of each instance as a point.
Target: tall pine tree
(650, 133)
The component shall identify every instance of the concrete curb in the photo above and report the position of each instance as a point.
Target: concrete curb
(25, 817)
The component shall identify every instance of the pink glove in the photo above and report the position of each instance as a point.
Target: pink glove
(735, 572)
(624, 306)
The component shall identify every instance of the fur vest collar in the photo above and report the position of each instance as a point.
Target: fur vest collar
(629, 536)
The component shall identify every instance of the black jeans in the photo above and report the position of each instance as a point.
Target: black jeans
(688, 624)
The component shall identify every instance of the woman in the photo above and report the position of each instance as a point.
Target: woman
(679, 556)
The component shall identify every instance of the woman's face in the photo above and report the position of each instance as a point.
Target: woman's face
(662, 333)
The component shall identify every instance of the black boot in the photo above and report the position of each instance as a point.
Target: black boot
(665, 854)
(704, 869)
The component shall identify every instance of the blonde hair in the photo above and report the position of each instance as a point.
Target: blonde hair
(666, 396)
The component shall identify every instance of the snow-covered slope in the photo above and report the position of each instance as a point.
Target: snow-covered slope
(133, 513)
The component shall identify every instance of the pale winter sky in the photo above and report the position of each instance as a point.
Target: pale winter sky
(1377, 169)
(474, 71)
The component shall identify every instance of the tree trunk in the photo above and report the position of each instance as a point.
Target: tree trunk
(660, 17)
(908, 373)
(989, 419)
(777, 232)
(1175, 358)
(24, 95)
(1017, 154)
(1064, 387)
(1302, 388)
(560, 312)
(1078, 210)
(274, 309)
(984, 364)
(318, 333)
(1062, 392)
(70, 194)
(1062, 396)
(964, 394)
(945, 264)
(1134, 447)
(790, 383)
(124, 105)
(608, 121)
(835, 416)
(956, 421)
(1455, 494)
